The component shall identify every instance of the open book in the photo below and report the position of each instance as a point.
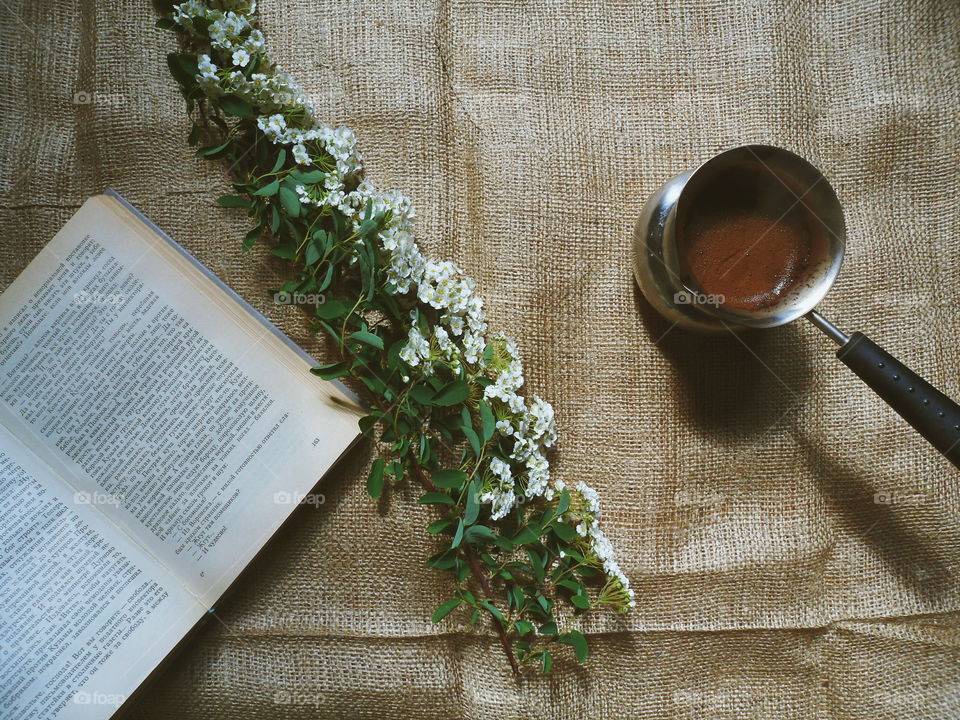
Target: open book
(155, 431)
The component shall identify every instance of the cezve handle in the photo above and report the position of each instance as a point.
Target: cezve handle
(932, 414)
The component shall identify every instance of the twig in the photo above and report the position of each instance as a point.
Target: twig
(472, 560)
(478, 572)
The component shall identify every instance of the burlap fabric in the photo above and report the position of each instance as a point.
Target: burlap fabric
(793, 546)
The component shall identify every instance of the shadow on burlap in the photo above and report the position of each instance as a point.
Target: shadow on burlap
(739, 476)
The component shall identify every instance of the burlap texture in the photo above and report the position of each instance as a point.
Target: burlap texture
(738, 475)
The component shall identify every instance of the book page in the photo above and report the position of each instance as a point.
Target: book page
(85, 614)
(142, 383)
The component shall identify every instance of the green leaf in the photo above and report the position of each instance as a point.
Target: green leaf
(435, 498)
(375, 481)
(492, 609)
(236, 106)
(379, 387)
(281, 159)
(455, 392)
(458, 535)
(312, 254)
(487, 354)
(438, 526)
(487, 421)
(195, 133)
(323, 239)
(425, 449)
(368, 227)
(274, 219)
(549, 628)
(327, 277)
(580, 601)
(268, 190)
(339, 223)
(449, 478)
(251, 238)
(369, 338)
(536, 563)
(523, 627)
(547, 606)
(423, 394)
(575, 555)
(472, 510)
(448, 607)
(366, 424)
(445, 560)
(546, 662)
(184, 69)
(290, 201)
(564, 503)
(578, 642)
(564, 531)
(233, 201)
(477, 533)
(472, 439)
(307, 177)
(329, 372)
(332, 309)
(526, 536)
(287, 252)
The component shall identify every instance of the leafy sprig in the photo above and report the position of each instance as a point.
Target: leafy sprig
(529, 568)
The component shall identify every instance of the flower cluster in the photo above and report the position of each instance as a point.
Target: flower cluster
(238, 65)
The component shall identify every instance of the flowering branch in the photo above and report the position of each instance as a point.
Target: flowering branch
(524, 548)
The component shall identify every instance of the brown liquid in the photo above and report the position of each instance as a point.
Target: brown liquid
(747, 240)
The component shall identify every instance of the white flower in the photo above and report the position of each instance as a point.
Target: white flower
(501, 469)
(207, 70)
(543, 428)
(241, 57)
(538, 474)
(218, 34)
(455, 322)
(416, 348)
(446, 345)
(591, 496)
(234, 24)
(255, 41)
(501, 503)
(304, 195)
(274, 127)
(300, 154)
(186, 11)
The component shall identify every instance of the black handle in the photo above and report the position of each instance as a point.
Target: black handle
(932, 414)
